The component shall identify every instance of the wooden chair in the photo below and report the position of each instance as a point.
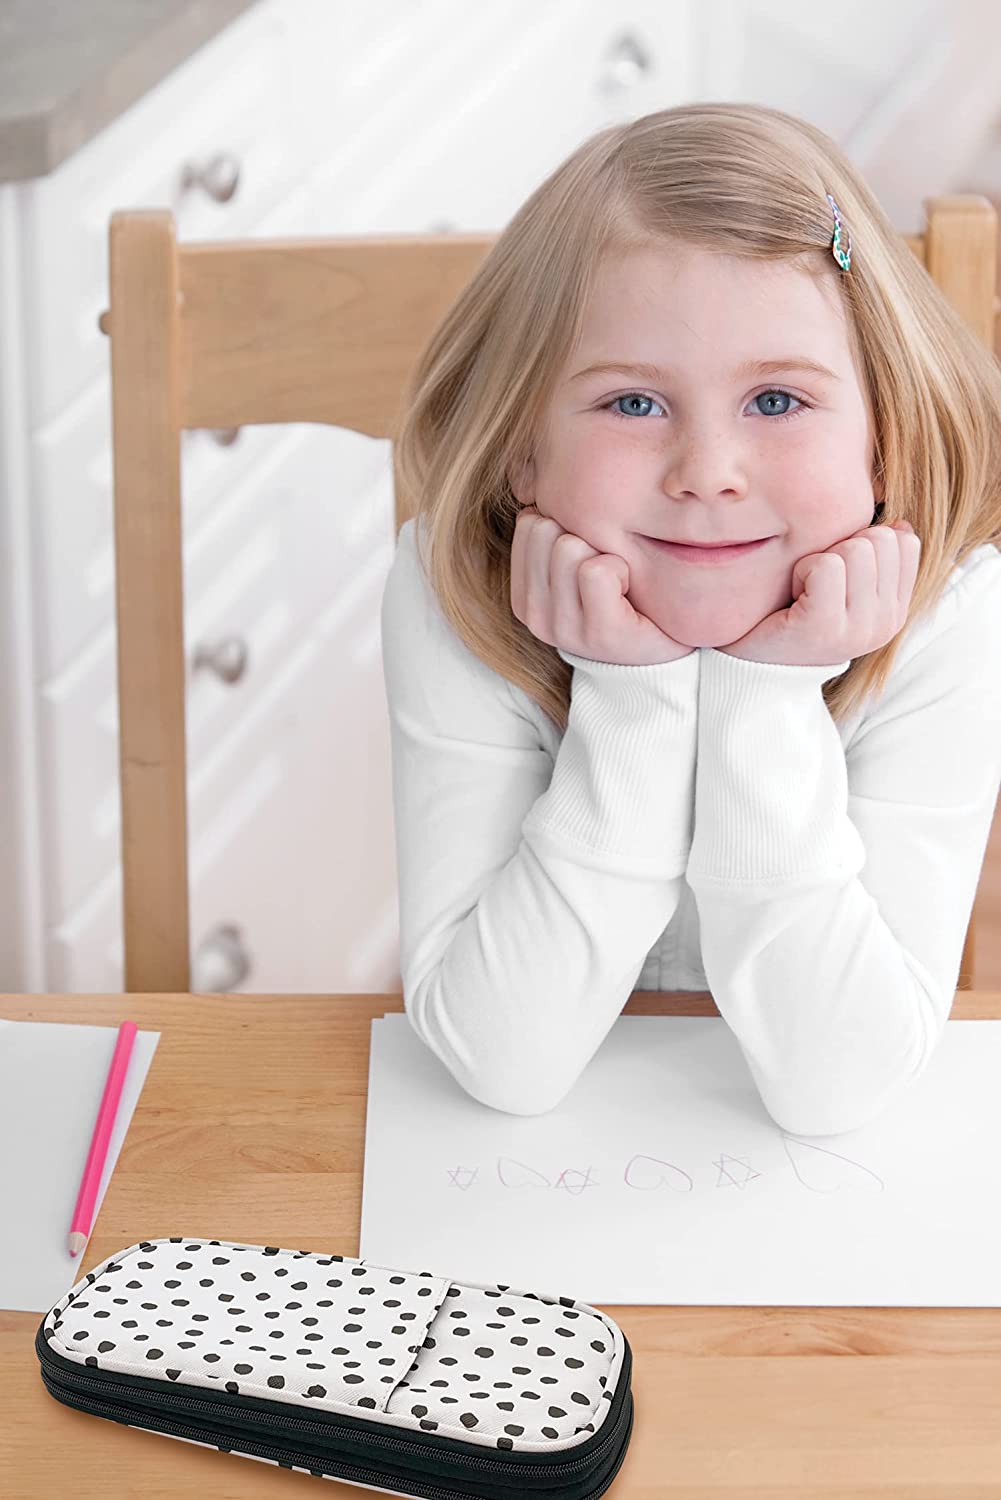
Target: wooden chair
(218, 335)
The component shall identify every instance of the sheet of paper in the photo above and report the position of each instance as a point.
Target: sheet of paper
(52, 1078)
(662, 1179)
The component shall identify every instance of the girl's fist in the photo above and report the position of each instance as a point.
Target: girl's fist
(574, 598)
(847, 601)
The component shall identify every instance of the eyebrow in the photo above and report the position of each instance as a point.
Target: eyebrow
(749, 367)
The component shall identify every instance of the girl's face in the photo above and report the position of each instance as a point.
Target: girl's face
(703, 447)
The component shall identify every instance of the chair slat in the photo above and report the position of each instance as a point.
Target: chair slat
(313, 330)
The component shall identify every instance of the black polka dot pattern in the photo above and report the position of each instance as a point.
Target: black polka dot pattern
(486, 1363)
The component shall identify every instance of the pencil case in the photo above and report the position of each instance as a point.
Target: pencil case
(394, 1380)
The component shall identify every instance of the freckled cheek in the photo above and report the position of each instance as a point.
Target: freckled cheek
(586, 486)
(819, 487)
(590, 458)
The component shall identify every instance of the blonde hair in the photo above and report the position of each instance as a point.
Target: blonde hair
(740, 178)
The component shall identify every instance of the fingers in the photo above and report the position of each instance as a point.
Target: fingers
(886, 570)
(897, 557)
(910, 557)
(529, 560)
(566, 589)
(540, 556)
(545, 561)
(519, 548)
(602, 581)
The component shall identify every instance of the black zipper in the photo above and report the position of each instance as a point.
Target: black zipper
(312, 1463)
(57, 1376)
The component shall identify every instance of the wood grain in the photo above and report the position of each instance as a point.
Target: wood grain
(251, 1128)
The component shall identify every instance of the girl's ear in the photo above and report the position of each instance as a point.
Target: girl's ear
(521, 479)
(878, 495)
(878, 487)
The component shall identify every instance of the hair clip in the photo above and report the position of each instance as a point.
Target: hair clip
(843, 257)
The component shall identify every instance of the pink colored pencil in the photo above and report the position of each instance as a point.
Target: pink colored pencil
(83, 1214)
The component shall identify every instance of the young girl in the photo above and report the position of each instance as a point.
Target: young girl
(621, 762)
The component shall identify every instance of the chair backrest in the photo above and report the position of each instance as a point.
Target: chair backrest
(220, 335)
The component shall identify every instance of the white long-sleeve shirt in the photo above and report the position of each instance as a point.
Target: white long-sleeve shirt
(702, 824)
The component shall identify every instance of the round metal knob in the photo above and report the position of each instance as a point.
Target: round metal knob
(225, 436)
(628, 61)
(222, 962)
(228, 658)
(219, 177)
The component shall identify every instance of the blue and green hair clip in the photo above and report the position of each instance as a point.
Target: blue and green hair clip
(843, 256)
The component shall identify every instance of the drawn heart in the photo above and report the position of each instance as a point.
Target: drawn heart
(648, 1172)
(514, 1173)
(824, 1171)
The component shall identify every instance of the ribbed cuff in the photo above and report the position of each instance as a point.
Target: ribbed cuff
(623, 787)
(771, 793)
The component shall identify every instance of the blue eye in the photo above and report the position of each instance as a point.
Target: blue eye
(783, 416)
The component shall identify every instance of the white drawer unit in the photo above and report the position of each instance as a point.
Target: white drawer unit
(578, 68)
(462, 148)
(292, 855)
(302, 116)
(306, 533)
(74, 559)
(218, 163)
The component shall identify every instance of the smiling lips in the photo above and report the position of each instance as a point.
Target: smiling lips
(709, 546)
(712, 555)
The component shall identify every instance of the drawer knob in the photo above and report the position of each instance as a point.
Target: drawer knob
(228, 658)
(219, 176)
(627, 62)
(225, 436)
(222, 962)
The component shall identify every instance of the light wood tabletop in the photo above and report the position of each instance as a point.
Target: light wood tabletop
(250, 1128)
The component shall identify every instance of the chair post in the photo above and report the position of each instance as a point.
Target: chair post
(968, 959)
(961, 258)
(144, 325)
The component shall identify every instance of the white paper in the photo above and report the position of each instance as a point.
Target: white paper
(662, 1179)
(52, 1078)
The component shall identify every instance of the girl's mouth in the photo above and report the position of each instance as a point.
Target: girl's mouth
(714, 556)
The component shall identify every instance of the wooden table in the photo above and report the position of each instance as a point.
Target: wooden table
(251, 1128)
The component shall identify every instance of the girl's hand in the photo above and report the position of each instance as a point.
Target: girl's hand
(847, 601)
(574, 598)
